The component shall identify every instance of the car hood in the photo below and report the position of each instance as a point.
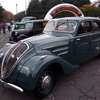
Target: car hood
(44, 41)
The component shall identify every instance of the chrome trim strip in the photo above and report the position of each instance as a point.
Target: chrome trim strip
(62, 53)
(54, 46)
(43, 56)
(11, 86)
(60, 49)
(84, 34)
(14, 63)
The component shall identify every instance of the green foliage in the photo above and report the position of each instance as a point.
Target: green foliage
(1, 13)
(89, 10)
(18, 17)
(39, 9)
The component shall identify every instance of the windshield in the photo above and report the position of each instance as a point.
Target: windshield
(19, 26)
(66, 26)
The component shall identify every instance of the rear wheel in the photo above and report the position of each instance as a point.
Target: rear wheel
(45, 83)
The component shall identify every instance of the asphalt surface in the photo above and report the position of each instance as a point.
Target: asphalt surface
(82, 84)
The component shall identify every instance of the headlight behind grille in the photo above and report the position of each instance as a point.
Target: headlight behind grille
(11, 57)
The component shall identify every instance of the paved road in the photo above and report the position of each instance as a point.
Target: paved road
(4, 38)
(82, 84)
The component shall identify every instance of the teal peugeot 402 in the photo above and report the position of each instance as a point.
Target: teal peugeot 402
(32, 63)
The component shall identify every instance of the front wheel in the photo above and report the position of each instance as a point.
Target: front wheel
(45, 83)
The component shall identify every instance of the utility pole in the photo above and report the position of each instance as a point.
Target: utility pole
(25, 6)
(16, 8)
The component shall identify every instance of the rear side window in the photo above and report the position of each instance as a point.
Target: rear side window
(85, 27)
(39, 25)
(96, 26)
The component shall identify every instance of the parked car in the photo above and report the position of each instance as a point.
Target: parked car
(33, 63)
(20, 25)
(31, 28)
(17, 25)
(28, 18)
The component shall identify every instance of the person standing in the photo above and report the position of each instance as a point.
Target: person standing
(3, 28)
(8, 26)
(0, 27)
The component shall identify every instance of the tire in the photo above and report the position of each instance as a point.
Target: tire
(45, 83)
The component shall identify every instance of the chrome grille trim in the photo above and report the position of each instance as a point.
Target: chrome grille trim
(14, 63)
(54, 46)
(62, 49)
(62, 53)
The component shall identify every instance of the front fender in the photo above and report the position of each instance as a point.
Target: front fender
(32, 69)
(21, 35)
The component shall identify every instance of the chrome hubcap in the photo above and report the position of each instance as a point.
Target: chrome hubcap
(46, 82)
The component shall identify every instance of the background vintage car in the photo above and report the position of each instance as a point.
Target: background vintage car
(17, 25)
(20, 25)
(28, 18)
(33, 63)
(31, 28)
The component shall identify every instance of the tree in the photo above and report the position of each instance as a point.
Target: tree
(89, 10)
(1, 13)
(39, 9)
(8, 16)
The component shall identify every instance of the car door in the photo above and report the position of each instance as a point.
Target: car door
(28, 28)
(83, 42)
(96, 38)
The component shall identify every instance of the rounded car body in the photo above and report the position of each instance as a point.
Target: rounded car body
(65, 43)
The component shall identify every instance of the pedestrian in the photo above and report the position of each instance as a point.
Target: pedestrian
(0, 27)
(3, 28)
(8, 26)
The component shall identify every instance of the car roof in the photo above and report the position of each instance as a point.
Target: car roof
(39, 20)
(75, 18)
(29, 17)
(19, 23)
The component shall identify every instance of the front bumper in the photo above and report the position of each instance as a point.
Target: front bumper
(11, 86)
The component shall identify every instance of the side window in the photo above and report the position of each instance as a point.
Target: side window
(38, 25)
(96, 26)
(29, 25)
(84, 27)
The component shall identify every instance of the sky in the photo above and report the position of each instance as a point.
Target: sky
(16, 6)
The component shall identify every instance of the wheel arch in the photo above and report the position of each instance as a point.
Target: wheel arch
(22, 36)
(31, 71)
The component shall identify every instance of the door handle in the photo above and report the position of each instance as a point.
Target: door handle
(78, 39)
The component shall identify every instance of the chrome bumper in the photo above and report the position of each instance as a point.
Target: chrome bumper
(11, 86)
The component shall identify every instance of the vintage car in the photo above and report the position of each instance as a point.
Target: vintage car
(20, 25)
(28, 18)
(17, 25)
(33, 63)
(31, 28)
